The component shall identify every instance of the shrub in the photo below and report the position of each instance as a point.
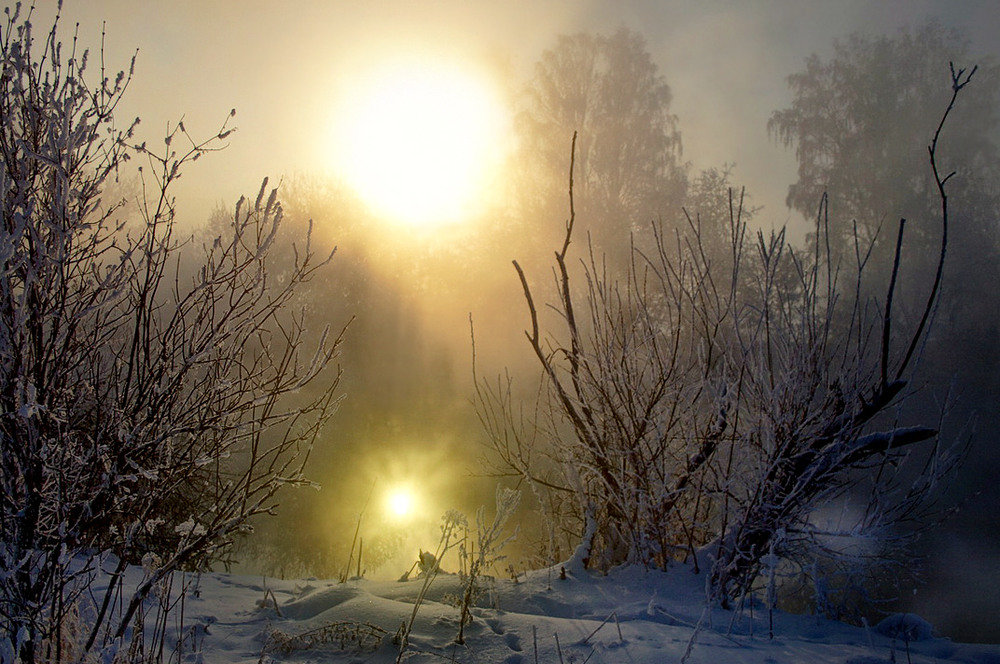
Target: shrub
(720, 398)
(143, 382)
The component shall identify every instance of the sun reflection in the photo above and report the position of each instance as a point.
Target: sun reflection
(400, 503)
(419, 141)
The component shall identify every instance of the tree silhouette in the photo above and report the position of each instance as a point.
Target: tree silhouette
(607, 89)
(859, 122)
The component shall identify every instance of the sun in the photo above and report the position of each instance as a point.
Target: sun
(400, 503)
(419, 142)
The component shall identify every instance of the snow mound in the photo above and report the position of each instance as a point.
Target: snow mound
(906, 627)
(631, 615)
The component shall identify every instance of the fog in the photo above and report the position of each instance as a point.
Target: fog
(407, 417)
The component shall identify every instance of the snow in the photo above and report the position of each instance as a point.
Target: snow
(631, 615)
(907, 626)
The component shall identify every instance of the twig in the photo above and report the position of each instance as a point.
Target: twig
(357, 529)
(887, 321)
(694, 637)
(603, 623)
(956, 86)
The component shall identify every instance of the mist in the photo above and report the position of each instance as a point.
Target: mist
(418, 298)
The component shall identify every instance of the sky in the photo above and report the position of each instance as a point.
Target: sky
(281, 66)
(286, 66)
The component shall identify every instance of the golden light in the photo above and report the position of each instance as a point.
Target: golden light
(400, 502)
(419, 142)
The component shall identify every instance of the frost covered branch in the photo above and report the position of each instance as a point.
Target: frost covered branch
(716, 399)
(145, 415)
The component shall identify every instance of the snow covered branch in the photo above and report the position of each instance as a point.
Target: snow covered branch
(716, 396)
(154, 395)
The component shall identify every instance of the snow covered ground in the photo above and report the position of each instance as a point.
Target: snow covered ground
(630, 616)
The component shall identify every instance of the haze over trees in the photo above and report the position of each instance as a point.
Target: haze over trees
(608, 90)
(688, 406)
(858, 123)
(617, 441)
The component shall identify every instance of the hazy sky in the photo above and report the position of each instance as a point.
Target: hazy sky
(282, 64)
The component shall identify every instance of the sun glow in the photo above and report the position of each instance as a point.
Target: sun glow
(420, 142)
(400, 503)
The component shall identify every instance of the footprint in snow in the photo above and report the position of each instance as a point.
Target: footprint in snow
(513, 641)
(494, 624)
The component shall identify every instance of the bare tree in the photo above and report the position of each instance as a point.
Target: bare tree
(713, 402)
(143, 414)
